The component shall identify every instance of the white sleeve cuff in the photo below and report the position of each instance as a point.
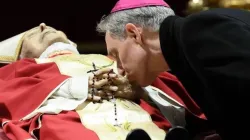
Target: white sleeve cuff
(78, 87)
(172, 110)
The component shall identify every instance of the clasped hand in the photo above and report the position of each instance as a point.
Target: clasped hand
(105, 84)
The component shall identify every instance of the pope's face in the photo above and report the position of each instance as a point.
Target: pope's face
(132, 59)
(38, 39)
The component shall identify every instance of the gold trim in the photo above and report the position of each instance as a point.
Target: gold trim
(130, 118)
(84, 59)
(19, 46)
(17, 51)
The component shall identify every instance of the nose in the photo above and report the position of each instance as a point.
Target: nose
(42, 26)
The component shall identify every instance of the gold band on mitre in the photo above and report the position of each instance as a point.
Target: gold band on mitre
(10, 48)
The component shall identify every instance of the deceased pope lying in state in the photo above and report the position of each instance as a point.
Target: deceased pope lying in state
(46, 94)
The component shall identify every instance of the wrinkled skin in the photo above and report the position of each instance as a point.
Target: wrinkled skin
(38, 39)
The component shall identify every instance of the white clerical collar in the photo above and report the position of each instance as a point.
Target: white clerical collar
(59, 46)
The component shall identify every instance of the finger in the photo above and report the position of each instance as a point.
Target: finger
(119, 92)
(92, 91)
(110, 88)
(100, 83)
(102, 93)
(93, 98)
(109, 94)
(111, 75)
(91, 76)
(120, 80)
(94, 82)
(110, 97)
(102, 71)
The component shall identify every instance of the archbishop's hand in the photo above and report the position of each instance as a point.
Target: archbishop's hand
(125, 89)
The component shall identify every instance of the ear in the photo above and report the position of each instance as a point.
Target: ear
(134, 32)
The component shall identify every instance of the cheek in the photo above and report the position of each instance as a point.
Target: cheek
(133, 59)
(36, 49)
(32, 48)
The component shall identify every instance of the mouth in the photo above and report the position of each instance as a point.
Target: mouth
(49, 32)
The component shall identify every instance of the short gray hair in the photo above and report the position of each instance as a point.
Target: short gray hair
(146, 17)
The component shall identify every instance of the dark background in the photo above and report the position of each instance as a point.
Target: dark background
(77, 20)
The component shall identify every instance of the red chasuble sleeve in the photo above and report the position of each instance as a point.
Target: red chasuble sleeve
(25, 85)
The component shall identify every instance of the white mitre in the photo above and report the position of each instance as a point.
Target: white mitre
(11, 48)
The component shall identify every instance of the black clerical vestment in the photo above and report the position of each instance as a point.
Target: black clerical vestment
(210, 54)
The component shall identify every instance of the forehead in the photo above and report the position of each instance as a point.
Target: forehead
(111, 42)
(35, 29)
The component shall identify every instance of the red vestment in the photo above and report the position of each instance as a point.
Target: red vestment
(173, 87)
(25, 86)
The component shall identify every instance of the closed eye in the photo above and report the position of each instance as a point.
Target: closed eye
(31, 34)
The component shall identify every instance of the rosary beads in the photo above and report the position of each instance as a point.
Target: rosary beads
(113, 100)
